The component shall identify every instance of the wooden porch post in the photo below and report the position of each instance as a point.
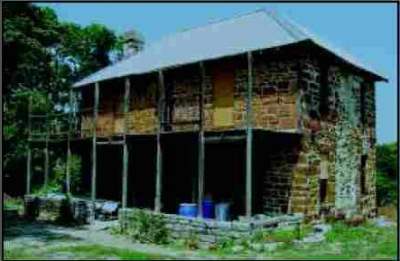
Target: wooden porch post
(125, 156)
(200, 163)
(157, 201)
(46, 150)
(94, 147)
(68, 169)
(249, 137)
(29, 152)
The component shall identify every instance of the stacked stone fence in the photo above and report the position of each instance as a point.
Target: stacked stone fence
(209, 230)
(58, 208)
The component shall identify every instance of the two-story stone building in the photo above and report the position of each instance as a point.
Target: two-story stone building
(252, 110)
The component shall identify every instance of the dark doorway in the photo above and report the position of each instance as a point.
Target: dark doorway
(179, 170)
(109, 172)
(141, 172)
(224, 177)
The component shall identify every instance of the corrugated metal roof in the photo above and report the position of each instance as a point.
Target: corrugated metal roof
(254, 31)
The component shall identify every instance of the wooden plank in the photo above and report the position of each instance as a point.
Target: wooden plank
(110, 142)
(125, 155)
(249, 136)
(157, 201)
(94, 148)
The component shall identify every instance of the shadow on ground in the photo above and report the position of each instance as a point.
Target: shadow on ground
(37, 230)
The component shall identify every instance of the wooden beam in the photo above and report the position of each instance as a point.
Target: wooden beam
(225, 139)
(94, 148)
(249, 136)
(125, 155)
(29, 153)
(160, 111)
(201, 156)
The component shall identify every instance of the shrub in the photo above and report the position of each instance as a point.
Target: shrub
(59, 170)
(192, 241)
(146, 227)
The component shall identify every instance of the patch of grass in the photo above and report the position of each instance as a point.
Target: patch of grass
(281, 234)
(81, 252)
(99, 251)
(20, 253)
(346, 242)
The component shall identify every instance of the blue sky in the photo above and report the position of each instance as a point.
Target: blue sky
(367, 31)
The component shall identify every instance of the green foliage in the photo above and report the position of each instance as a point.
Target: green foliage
(148, 228)
(14, 203)
(57, 181)
(75, 165)
(387, 173)
(42, 58)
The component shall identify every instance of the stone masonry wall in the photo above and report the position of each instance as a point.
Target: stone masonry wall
(338, 136)
(331, 147)
(274, 93)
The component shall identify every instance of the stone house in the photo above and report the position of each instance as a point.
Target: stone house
(252, 110)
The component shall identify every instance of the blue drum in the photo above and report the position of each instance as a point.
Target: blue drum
(188, 209)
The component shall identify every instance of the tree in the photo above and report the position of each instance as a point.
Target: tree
(387, 173)
(42, 57)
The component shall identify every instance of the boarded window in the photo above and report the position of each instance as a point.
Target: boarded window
(323, 187)
(323, 180)
(223, 83)
(324, 171)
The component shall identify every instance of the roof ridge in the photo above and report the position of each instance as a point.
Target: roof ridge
(238, 15)
(287, 25)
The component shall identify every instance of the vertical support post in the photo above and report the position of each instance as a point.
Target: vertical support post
(200, 172)
(46, 149)
(157, 201)
(249, 136)
(46, 163)
(94, 147)
(125, 155)
(68, 168)
(29, 152)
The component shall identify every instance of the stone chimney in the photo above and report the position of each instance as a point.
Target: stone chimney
(133, 43)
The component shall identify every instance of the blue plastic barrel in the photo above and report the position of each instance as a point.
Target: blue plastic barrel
(208, 209)
(188, 209)
(222, 211)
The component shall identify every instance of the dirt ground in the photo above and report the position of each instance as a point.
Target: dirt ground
(22, 234)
